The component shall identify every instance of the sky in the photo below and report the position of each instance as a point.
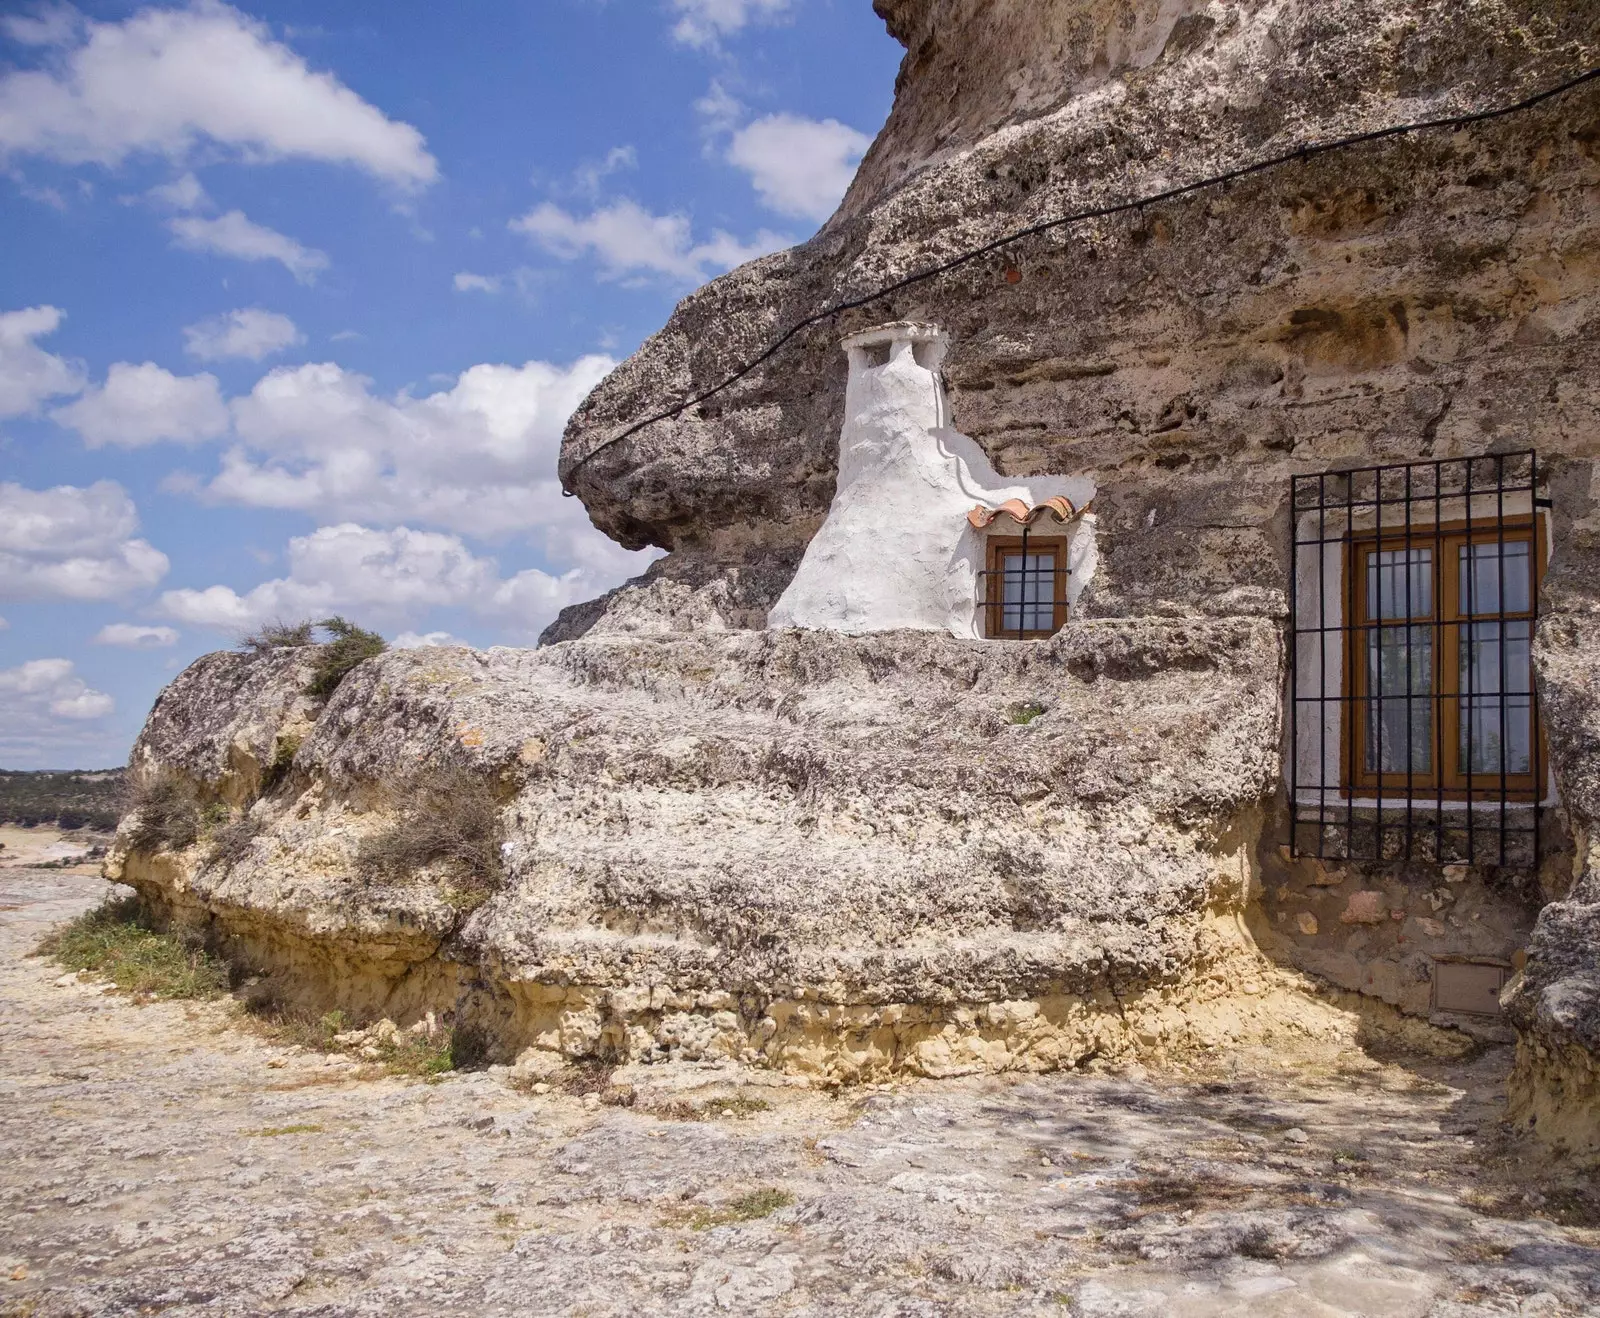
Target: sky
(297, 297)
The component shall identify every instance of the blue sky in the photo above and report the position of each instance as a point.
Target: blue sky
(297, 298)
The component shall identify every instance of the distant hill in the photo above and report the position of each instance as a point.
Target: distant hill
(67, 798)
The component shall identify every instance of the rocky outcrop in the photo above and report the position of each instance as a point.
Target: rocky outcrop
(1432, 296)
(841, 854)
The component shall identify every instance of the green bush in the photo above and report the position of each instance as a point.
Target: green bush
(116, 940)
(349, 646)
(284, 750)
(168, 812)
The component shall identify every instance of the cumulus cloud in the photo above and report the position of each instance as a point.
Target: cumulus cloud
(478, 458)
(233, 234)
(182, 194)
(628, 240)
(50, 715)
(701, 22)
(51, 685)
(466, 282)
(249, 332)
(423, 640)
(132, 636)
(168, 81)
(388, 577)
(145, 404)
(72, 543)
(799, 167)
(28, 374)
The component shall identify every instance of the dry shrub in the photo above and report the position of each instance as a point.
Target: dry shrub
(168, 813)
(232, 839)
(451, 820)
(278, 635)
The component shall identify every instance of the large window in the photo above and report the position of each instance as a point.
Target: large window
(1025, 587)
(1414, 717)
(1440, 666)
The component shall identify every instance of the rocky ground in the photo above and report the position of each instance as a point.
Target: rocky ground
(169, 1158)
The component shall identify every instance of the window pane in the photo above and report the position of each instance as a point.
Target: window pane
(1028, 592)
(1496, 696)
(1399, 700)
(1391, 574)
(1482, 568)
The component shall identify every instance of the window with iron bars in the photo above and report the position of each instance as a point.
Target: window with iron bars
(1023, 593)
(1414, 728)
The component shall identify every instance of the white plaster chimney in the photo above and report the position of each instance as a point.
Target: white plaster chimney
(897, 549)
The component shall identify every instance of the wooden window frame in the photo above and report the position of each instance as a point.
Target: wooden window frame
(1446, 622)
(994, 609)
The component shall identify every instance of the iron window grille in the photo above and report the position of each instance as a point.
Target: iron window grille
(1023, 592)
(1414, 731)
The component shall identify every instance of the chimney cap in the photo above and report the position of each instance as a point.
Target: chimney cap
(914, 331)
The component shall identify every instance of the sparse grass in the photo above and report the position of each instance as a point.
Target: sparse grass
(750, 1207)
(271, 1131)
(168, 813)
(1025, 714)
(349, 646)
(404, 1054)
(116, 941)
(452, 820)
(505, 1220)
(278, 635)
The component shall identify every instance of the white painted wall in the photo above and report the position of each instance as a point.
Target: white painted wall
(896, 550)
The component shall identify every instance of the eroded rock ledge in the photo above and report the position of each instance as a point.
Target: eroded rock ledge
(839, 854)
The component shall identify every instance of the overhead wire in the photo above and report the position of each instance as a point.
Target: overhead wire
(1305, 151)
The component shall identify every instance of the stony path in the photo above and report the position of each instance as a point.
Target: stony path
(164, 1159)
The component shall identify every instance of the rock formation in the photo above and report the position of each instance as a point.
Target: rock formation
(903, 849)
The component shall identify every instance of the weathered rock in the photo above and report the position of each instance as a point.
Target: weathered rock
(829, 852)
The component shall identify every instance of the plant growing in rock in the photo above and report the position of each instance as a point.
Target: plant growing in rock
(168, 813)
(349, 645)
(278, 635)
(232, 839)
(284, 750)
(451, 820)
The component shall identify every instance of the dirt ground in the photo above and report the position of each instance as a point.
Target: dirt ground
(169, 1159)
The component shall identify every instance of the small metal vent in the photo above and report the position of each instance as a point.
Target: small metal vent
(1468, 987)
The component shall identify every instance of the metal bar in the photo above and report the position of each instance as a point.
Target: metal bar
(1534, 721)
(1472, 605)
(1351, 658)
(1410, 740)
(1322, 656)
(1294, 667)
(1500, 599)
(1436, 702)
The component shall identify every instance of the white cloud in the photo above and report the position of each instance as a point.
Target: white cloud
(629, 240)
(478, 458)
(145, 404)
(423, 641)
(702, 22)
(182, 194)
(249, 332)
(48, 25)
(51, 716)
(132, 636)
(50, 685)
(719, 109)
(72, 543)
(235, 235)
(465, 282)
(589, 177)
(166, 80)
(28, 374)
(799, 167)
(388, 577)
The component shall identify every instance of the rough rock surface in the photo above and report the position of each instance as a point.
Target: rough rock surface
(1420, 297)
(159, 1158)
(840, 853)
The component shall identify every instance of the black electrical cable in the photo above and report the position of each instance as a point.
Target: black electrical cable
(1303, 152)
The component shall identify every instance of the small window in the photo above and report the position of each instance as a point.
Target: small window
(1025, 588)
